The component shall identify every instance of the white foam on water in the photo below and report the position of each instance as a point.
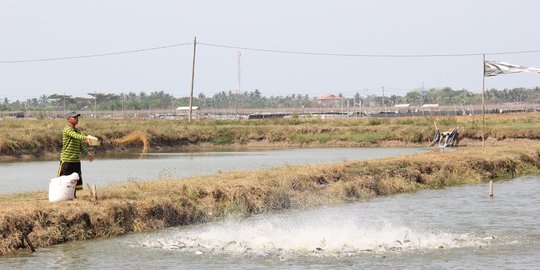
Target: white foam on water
(319, 233)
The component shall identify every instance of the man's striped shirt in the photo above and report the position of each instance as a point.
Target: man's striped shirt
(72, 145)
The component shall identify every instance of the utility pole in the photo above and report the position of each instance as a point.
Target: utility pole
(95, 104)
(239, 87)
(192, 80)
(422, 102)
(483, 102)
(384, 103)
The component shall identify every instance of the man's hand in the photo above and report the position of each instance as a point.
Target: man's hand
(91, 140)
(90, 156)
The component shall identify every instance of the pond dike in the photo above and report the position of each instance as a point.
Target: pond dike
(28, 221)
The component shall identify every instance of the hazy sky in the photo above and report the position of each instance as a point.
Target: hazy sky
(33, 30)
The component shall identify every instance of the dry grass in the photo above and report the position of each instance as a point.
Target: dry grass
(144, 206)
(39, 137)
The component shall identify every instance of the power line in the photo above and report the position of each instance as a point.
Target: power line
(92, 55)
(269, 51)
(367, 55)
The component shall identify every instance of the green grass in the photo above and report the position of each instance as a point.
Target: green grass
(37, 137)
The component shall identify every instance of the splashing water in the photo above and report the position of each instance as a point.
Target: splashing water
(312, 233)
(405, 231)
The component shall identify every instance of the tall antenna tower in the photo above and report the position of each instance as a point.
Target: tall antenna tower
(239, 85)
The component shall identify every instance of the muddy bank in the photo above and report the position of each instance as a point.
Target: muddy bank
(202, 146)
(136, 148)
(182, 145)
(145, 206)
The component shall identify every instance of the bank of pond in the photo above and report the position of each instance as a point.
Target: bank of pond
(28, 219)
(37, 138)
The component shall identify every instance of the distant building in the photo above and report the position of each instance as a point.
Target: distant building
(401, 108)
(16, 115)
(184, 110)
(329, 101)
(430, 108)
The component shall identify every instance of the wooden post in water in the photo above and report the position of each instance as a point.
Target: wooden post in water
(93, 191)
(490, 188)
(25, 238)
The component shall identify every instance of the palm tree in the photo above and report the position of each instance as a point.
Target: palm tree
(43, 101)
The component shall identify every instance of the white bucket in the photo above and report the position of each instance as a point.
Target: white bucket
(63, 187)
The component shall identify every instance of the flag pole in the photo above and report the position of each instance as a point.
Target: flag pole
(483, 102)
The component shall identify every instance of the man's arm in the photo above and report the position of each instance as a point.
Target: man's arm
(71, 133)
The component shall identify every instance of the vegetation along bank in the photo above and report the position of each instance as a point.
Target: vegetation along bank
(34, 138)
(144, 206)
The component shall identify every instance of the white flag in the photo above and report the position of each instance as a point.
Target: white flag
(495, 68)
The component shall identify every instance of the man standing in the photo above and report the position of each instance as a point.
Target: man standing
(72, 147)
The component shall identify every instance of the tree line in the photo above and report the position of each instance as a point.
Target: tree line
(159, 100)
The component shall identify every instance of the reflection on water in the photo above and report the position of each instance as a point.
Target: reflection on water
(32, 176)
(452, 228)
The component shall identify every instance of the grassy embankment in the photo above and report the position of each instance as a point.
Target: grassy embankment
(137, 207)
(145, 206)
(41, 137)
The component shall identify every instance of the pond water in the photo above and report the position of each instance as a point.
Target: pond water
(106, 169)
(451, 228)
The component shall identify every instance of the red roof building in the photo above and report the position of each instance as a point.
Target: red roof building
(329, 100)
